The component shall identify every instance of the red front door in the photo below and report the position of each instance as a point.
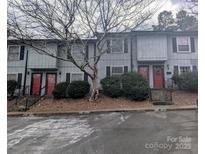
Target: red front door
(158, 76)
(51, 82)
(144, 71)
(36, 84)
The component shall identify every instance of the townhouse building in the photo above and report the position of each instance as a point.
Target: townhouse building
(156, 55)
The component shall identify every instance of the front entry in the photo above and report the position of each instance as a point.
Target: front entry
(158, 76)
(50, 83)
(36, 84)
(144, 71)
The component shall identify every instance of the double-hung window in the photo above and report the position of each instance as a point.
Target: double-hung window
(11, 77)
(13, 53)
(184, 69)
(117, 71)
(77, 51)
(183, 44)
(116, 46)
(76, 77)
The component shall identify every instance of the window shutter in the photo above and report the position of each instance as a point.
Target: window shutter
(108, 71)
(125, 45)
(87, 52)
(194, 68)
(174, 44)
(125, 69)
(85, 77)
(108, 46)
(22, 52)
(176, 70)
(68, 77)
(19, 79)
(69, 52)
(192, 44)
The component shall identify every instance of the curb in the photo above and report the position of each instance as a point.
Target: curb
(155, 109)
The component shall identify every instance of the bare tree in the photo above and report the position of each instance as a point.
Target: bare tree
(191, 6)
(72, 20)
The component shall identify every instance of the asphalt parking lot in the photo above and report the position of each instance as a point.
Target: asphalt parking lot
(173, 132)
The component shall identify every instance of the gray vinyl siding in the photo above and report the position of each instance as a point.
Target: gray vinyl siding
(182, 59)
(115, 59)
(151, 48)
(41, 60)
(67, 67)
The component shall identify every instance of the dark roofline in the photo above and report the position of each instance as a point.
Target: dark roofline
(92, 40)
(47, 40)
(155, 32)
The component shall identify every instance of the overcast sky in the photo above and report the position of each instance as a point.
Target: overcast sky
(169, 5)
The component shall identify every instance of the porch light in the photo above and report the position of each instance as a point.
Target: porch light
(167, 66)
(59, 73)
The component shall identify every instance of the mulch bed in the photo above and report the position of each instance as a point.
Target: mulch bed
(180, 98)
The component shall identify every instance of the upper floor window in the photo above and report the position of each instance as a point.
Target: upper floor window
(117, 45)
(76, 77)
(77, 51)
(13, 52)
(183, 44)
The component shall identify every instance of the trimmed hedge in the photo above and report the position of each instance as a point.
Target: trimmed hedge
(11, 87)
(60, 90)
(112, 86)
(135, 87)
(130, 85)
(187, 81)
(78, 89)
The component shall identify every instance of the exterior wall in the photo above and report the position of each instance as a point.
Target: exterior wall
(67, 67)
(151, 48)
(180, 59)
(148, 49)
(41, 60)
(115, 59)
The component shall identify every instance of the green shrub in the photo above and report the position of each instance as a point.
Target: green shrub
(11, 87)
(60, 90)
(135, 86)
(111, 86)
(187, 81)
(78, 89)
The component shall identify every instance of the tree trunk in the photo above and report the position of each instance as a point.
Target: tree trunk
(95, 91)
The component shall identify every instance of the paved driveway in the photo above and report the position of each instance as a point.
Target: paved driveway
(111, 133)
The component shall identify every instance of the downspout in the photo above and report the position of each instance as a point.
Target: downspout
(25, 73)
(131, 62)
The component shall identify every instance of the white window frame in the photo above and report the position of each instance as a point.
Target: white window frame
(13, 74)
(111, 49)
(76, 73)
(111, 73)
(179, 67)
(18, 51)
(189, 44)
(72, 51)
